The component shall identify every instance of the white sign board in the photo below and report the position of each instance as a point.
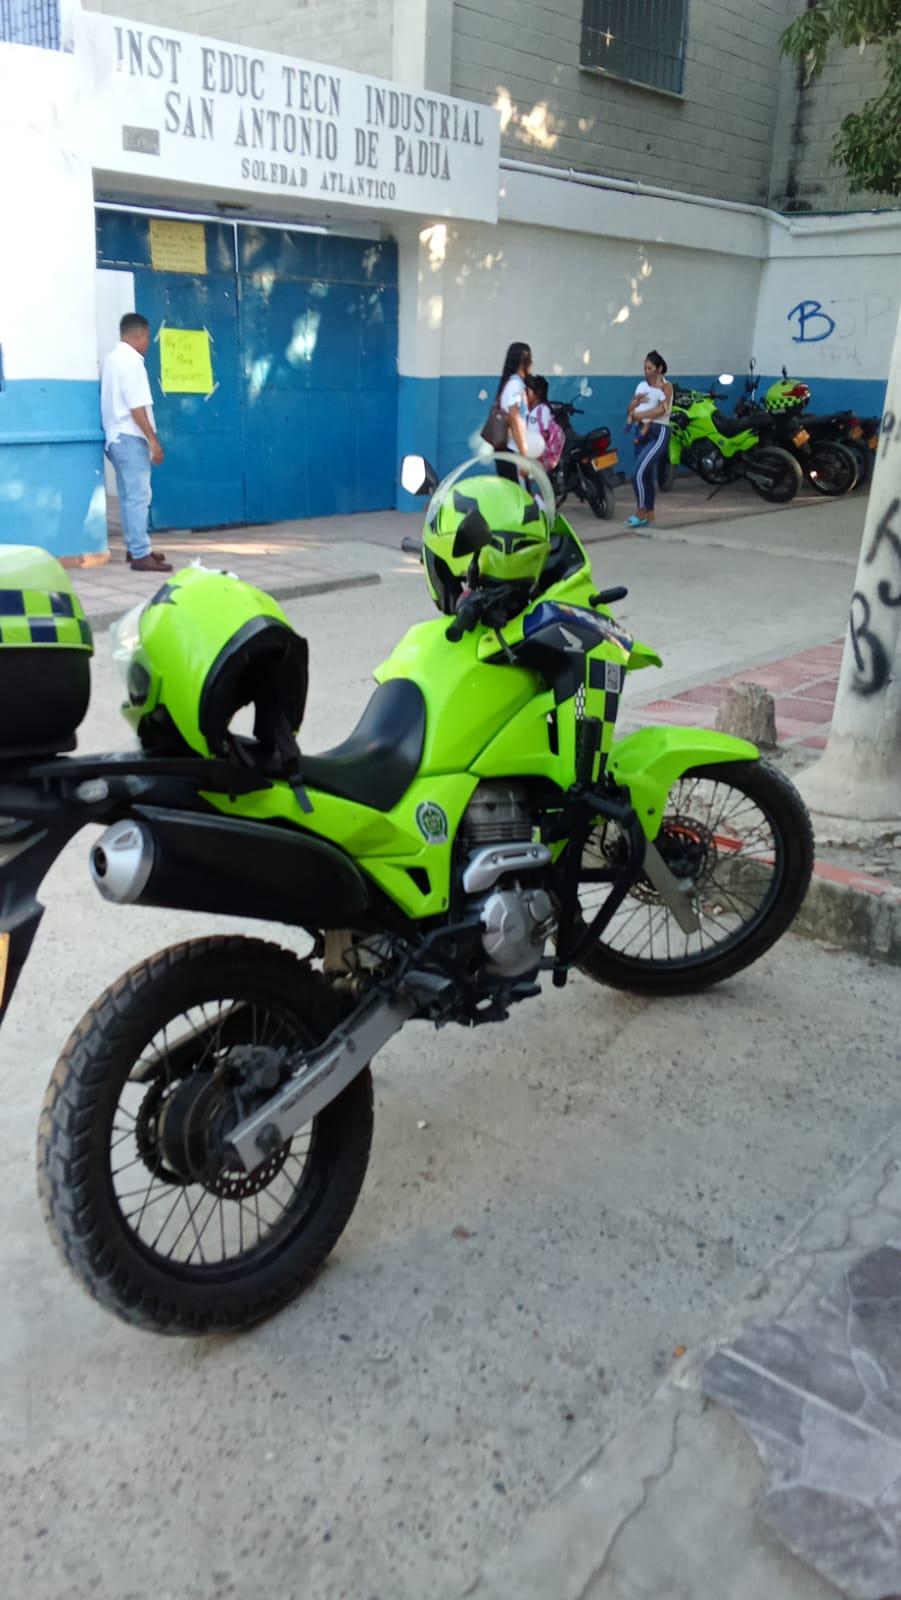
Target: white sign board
(183, 108)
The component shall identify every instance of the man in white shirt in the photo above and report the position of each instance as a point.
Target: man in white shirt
(126, 407)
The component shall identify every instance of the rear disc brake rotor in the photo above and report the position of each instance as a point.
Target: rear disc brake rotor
(185, 1138)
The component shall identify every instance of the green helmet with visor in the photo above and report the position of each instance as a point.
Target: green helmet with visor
(203, 647)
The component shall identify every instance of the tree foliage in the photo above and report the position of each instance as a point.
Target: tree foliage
(868, 144)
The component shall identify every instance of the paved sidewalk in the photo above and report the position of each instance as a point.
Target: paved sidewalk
(286, 559)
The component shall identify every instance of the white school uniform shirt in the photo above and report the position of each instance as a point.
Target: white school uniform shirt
(124, 385)
(513, 395)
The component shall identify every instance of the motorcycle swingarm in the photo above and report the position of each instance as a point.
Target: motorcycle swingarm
(322, 1076)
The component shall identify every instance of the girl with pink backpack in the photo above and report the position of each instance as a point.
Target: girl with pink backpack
(544, 436)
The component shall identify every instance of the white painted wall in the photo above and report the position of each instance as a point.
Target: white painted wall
(850, 268)
(590, 304)
(592, 277)
(47, 249)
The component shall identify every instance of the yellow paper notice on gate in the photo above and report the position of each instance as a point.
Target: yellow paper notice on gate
(177, 246)
(186, 365)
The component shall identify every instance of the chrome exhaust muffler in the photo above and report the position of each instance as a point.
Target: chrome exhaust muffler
(122, 861)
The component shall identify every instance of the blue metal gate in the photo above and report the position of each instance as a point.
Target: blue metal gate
(303, 339)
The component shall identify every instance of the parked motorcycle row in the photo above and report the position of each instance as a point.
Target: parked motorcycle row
(773, 443)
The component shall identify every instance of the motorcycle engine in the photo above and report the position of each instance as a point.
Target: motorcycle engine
(517, 917)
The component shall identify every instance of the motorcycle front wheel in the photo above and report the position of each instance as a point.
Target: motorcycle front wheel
(833, 469)
(146, 1210)
(738, 837)
(774, 475)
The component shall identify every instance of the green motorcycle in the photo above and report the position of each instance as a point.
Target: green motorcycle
(723, 449)
(206, 1131)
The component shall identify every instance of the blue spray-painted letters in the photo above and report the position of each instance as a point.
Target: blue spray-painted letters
(810, 311)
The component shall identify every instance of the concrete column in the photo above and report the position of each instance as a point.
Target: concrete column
(420, 265)
(51, 458)
(422, 43)
(857, 783)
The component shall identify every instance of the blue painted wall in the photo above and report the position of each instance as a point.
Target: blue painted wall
(51, 466)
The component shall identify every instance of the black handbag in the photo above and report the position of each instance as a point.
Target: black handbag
(496, 428)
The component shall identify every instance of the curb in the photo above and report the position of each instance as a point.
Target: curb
(278, 591)
(854, 911)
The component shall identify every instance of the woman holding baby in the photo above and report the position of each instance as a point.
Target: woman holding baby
(649, 410)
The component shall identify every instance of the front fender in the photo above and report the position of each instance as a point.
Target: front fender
(648, 762)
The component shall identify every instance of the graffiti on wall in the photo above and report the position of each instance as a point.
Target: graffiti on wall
(810, 313)
(872, 653)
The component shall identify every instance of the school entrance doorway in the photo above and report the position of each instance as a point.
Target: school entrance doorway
(273, 365)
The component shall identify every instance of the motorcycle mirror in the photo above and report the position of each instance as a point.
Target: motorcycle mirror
(418, 476)
(785, 374)
(726, 377)
(752, 366)
(472, 535)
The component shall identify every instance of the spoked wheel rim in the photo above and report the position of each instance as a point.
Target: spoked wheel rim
(183, 1206)
(724, 847)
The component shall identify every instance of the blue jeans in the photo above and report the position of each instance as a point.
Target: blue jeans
(130, 457)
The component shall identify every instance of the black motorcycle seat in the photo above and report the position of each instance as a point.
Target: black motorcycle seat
(595, 436)
(730, 427)
(378, 761)
(833, 422)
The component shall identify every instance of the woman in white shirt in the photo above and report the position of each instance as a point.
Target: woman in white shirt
(511, 400)
(644, 479)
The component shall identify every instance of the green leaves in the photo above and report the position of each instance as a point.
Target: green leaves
(868, 145)
(848, 22)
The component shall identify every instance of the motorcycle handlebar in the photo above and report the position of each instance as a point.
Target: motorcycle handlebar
(467, 617)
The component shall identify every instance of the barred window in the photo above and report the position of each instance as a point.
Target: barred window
(639, 39)
(30, 22)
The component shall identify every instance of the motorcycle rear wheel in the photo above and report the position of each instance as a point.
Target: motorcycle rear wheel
(602, 499)
(782, 472)
(740, 834)
(834, 469)
(135, 1111)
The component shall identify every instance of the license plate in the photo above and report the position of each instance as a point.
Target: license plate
(802, 436)
(857, 433)
(4, 962)
(609, 460)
